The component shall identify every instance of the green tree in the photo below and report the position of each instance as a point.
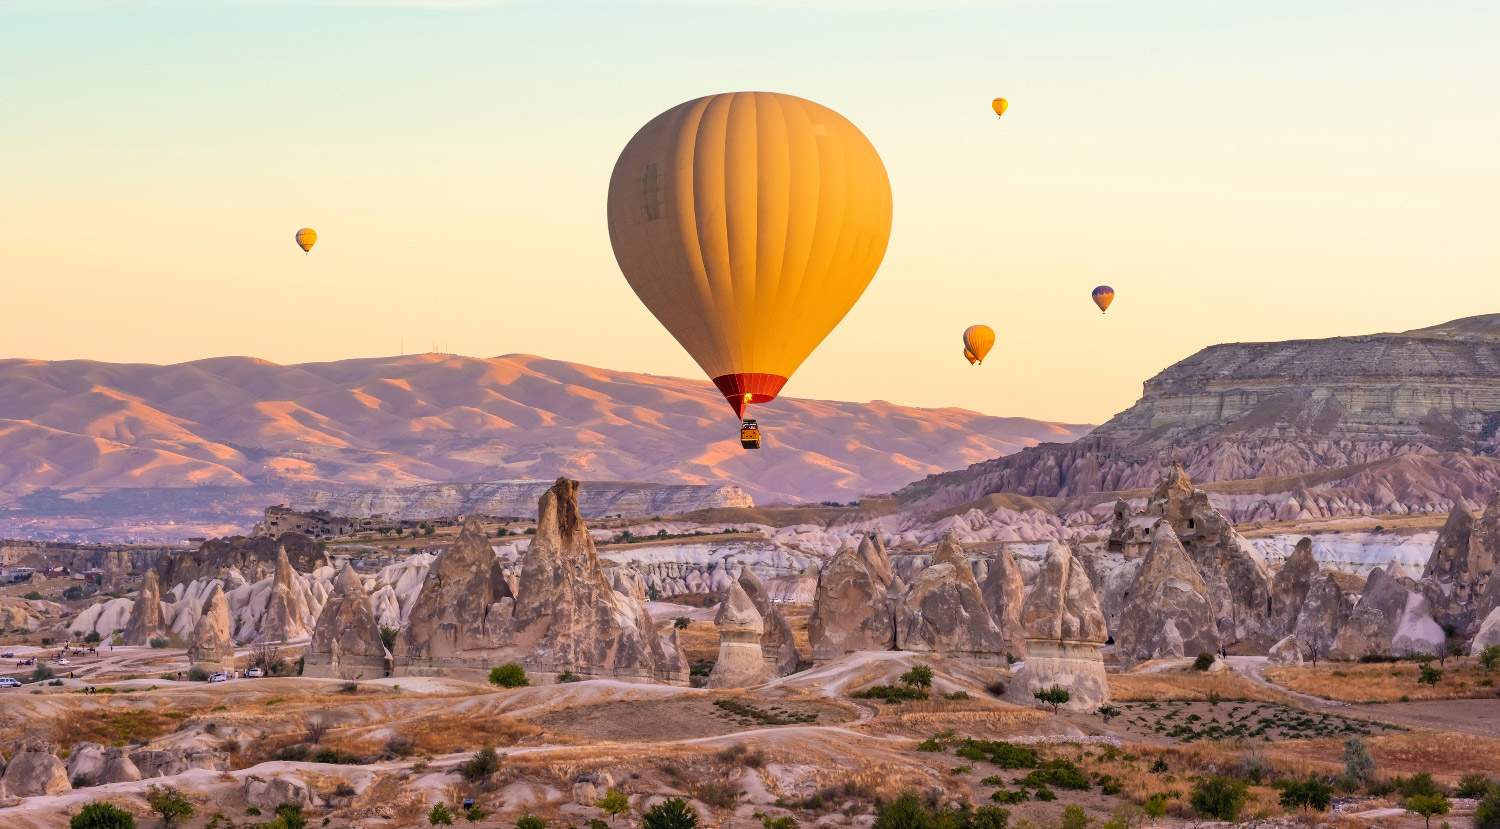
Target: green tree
(905, 812)
(1203, 662)
(681, 622)
(476, 813)
(986, 817)
(1309, 794)
(509, 675)
(1219, 796)
(41, 672)
(1358, 764)
(530, 821)
(1073, 817)
(1428, 805)
(920, 676)
(92, 637)
(480, 767)
(671, 814)
(101, 815)
(1489, 658)
(1155, 806)
(289, 816)
(1487, 813)
(1054, 696)
(167, 803)
(1430, 676)
(614, 803)
(388, 636)
(440, 815)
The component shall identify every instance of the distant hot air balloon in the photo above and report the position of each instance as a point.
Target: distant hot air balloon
(1000, 105)
(306, 238)
(1103, 296)
(978, 340)
(749, 223)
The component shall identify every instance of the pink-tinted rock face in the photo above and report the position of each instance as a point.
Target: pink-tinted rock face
(346, 641)
(1167, 610)
(851, 612)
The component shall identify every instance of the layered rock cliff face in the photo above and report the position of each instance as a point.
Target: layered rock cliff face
(1263, 410)
(254, 558)
(517, 498)
(1459, 577)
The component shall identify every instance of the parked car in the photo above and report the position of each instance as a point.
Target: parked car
(219, 677)
(62, 661)
(254, 673)
(7, 682)
(8, 655)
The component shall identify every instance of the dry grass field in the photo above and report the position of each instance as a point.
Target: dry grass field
(1463, 678)
(1188, 684)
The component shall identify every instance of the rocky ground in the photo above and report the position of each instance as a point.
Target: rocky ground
(801, 746)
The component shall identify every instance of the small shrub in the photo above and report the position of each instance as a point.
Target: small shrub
(482, 765)
(1358, 764)
(681, 622)
(614, 803)
(530, 821)
(1473, 786)
(509, 675)
(677, 814)
(289, 816)
(1487, 813)
(92, 638)
(1219, 797)
(1010, 798)
(930, 744)
(1155, 806)
(41, 672)
(1430, 676)
(159, 642)
(1074, 818)
(477, 813)
(101, 815)
(388, 636)
(197, 674)
(1309, 794)
(1159, 767)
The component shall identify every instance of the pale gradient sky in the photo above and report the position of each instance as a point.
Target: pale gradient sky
(1237, 171)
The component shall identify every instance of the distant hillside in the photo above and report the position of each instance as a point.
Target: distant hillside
(1270, 410)
(91, 450)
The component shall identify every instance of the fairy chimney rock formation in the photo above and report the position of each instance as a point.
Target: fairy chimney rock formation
(851, 612)
(211, 645)
(286, 611)
(1290, 585)
(777, 643)
(944, 612)
(1458, 579)
(563, 615)
(1390, 619)
(146, 615)
(1064, 630)
(1005, 594)
(740, 664)
(872, 552)
(346, 641)
(1167, 611)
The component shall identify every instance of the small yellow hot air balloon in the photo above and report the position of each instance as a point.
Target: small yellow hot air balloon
(1000, 105)
(1103, 296)
(978, 340)
(306, 238)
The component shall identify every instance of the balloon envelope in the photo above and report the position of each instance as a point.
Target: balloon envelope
(1103, 296)
(749, 223)
(1000, 105)
(306, 238)
(978, 340)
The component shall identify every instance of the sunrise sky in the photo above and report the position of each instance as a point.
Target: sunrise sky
(1237, 171)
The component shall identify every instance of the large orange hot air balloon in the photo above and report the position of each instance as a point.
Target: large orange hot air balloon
(978, 340)
(306, 238)
(1000, 105)
(749, 223)
(1103, 296)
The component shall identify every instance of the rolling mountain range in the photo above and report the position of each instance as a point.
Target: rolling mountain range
(94, 450)
(1352, 425)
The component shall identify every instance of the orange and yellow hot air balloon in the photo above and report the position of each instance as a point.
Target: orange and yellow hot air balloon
(999, 105)
(306, 238)
(978, 340)
(749, 223)
(1103, 296)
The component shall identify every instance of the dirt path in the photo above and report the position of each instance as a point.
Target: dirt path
(1253, 668)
